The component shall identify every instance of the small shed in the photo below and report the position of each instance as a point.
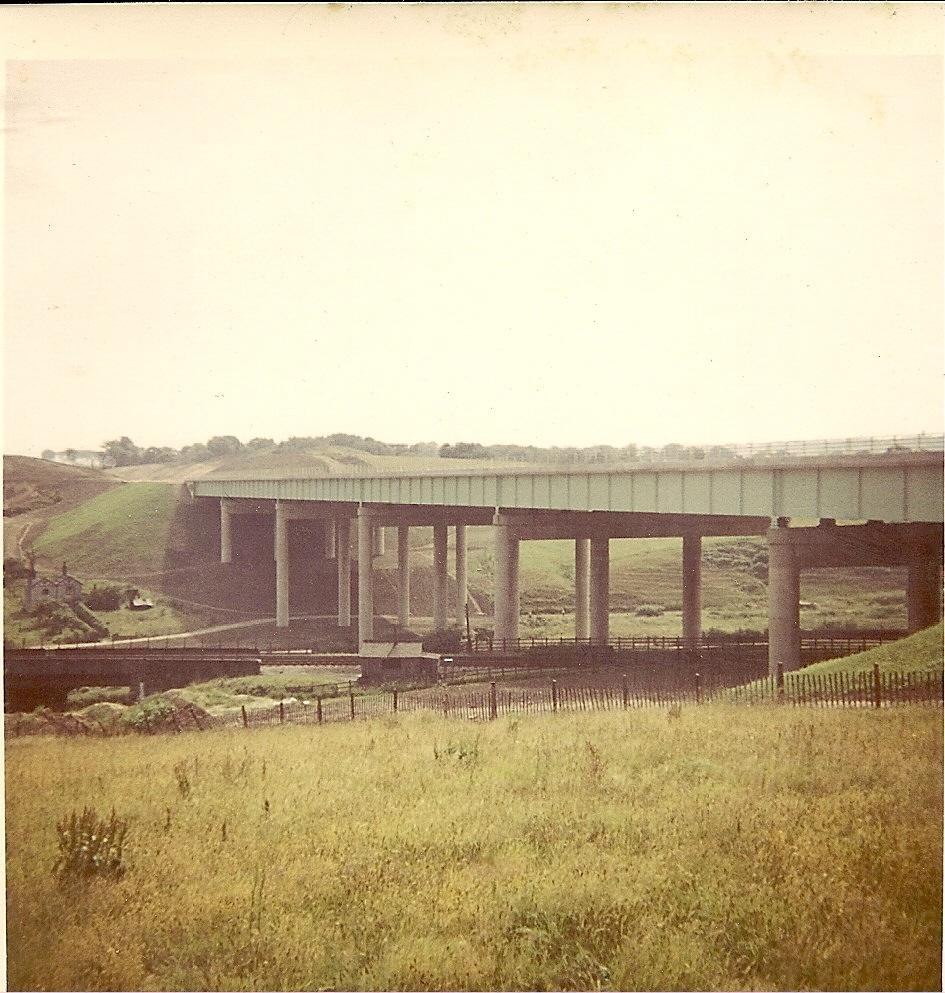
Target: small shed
(397, 662)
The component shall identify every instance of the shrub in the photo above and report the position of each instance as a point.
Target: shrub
(649, 610)
(103, 597)
(91, 846)
(153, 712)
(14, 569)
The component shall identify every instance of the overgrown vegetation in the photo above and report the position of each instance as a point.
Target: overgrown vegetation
(724, 849)
(90, 846)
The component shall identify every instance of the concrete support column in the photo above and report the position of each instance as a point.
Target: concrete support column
(600, 590)
(784, 611)
(365, 576)
(343, 556)
(462, 584)
(380, 541)
(403, 576)
(281, 548)
(922, 593)
(440, 586)
(692, 586)
(582, 588)
(506, 579)
(226, 532)
(330, 538)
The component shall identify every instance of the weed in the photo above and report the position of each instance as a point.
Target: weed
(90, 846)
(462, 751)
(183, 780)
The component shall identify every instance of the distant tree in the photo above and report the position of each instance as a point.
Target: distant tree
(194, 453)
(71, 455)
(226, 444)
(49, 455)
(258, 444)
(122, 452)
(155, 456)
(464, 450)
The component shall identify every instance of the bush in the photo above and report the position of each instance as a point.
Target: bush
(649, 610)
(14, 569)
(90, 846)
(154, 712)
(103, 597)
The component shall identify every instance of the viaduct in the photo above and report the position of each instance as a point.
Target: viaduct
(848, 509)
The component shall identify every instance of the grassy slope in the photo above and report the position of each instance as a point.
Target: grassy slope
(920, 652)
(35, 491)
(120, 532)
(728, 849)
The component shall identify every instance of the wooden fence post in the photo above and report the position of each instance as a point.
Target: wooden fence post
(698, 688)
(395, 699)
(245, 720)
(493, 703)
(351, 700)
(780, 682)
(877, 687)
(281, 712)
(554, 696)
(626, 692)
(318, 708)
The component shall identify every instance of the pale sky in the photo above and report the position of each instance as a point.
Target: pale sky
(545, 224)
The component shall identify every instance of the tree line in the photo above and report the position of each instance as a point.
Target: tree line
(124, 452)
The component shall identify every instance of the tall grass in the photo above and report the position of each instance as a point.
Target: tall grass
(723, 849)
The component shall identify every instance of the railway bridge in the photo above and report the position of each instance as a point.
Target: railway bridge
(838, 506)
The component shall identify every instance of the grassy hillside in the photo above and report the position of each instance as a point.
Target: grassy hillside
(35, 491)
(730, 848)
(920, 652)
(120, 532)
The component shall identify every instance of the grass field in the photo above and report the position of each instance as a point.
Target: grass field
(756, 848)
(122, 531)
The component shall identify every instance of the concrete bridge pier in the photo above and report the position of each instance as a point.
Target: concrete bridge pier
(380, 541)
(226, 532)
(600, 590)
(403, 575)
(330, 539)
(281, 551)
(506, 579)
(923, 592)
(462, 583)
(784, 615)
(343, 558)
(440, 580)
(692, 586)
(582, 588)
(365, 576)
